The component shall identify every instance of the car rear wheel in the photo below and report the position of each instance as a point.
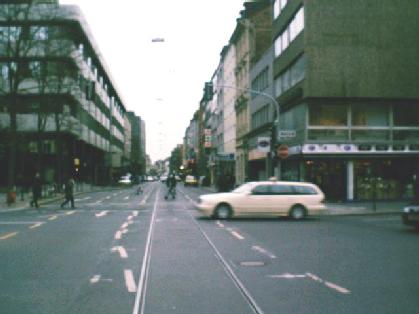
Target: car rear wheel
(297, 212)
(223, 211)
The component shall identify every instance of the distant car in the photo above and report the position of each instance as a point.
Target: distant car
(124, 181)
(410, 215)
(149, 179)
(265, 198)
(163, 178)
(191, 181)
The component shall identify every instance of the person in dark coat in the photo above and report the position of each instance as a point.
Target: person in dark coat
(36, 190)
(69, 193)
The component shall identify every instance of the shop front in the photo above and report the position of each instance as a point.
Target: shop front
(355, 176)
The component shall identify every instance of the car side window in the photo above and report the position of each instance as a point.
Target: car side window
(261, 190)
(304, 190)
(282, 189)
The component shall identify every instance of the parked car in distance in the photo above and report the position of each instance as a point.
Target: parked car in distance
(191, 181)
(163, 178)
(125, 180)
(410, 214)
(149, 179)
(265, 198)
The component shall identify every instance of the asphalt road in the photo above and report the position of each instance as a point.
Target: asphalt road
(119, 252)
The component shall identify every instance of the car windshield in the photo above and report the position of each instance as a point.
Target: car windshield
(243, 188)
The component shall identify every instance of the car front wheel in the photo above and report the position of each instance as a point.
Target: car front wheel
(223, 211)
(297, 212)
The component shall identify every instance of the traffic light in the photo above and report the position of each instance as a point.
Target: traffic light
(208, 91)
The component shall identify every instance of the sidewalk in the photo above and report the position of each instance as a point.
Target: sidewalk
(27, 197)
(354, 207)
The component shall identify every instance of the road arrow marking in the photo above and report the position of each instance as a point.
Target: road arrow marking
(121, 250)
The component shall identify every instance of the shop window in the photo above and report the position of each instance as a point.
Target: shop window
(328, 115)
(370, 135)
(370, 115)
(406, 115)
(328, 134)
(406, 135)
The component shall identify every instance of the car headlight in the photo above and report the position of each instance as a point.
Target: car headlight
(406, 209)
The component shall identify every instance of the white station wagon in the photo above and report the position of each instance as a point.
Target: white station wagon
(265, 198)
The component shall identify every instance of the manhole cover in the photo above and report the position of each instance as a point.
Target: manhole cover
(252, 263)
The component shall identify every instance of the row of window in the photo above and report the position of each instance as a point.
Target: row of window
(347, 135)
(371, 115)
(260, 82)
(290, 32)
(279, 5)
(291, 76)
(260, 117)
(16, 33)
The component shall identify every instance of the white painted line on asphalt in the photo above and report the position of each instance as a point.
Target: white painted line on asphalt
(37, 225)
(237, 235)
(121, 250)
(219, 224)
(263, 251)
(314, 277)
(130, 217)
(118, 235)
(329, 284)
(9, 235)
(287, 276)
(124, 231)
(107, 198)
(124, 225)
(70, 213)
(53, 217)
(114, 194)
(129, 280)
(135, 213)
(126, 197)
(139, 303)
(95, 279)
(337, 288)
(18, 222)
(101, 214)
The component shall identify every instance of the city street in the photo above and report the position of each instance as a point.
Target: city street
(119, 252)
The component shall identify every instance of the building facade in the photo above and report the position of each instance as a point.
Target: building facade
(60, 112)
(346, 79)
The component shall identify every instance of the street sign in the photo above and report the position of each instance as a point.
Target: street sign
(282, 151)
(264, 144)
(286, 133)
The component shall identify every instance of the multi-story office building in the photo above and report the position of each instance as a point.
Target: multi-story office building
(251, 38)
(60, 112)
(346, 76)
(137, 157)
(262, 115)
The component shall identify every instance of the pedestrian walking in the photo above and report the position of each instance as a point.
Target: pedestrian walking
(69, 193)
(36, 190)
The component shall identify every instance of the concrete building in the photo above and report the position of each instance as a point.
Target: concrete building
(346, 76)
(137, 157)
(60, 111)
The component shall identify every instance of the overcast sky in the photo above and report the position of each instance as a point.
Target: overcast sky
(161, 82)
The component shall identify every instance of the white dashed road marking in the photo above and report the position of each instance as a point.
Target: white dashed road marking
(263, 251)
(129, 280)
(101, 214)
